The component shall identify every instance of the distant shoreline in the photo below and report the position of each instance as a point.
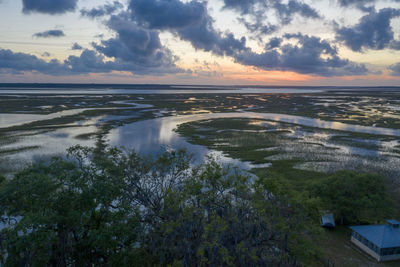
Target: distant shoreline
(50, 86)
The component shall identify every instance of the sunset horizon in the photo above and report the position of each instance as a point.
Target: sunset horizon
(223, 42)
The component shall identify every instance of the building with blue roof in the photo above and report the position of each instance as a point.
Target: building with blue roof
(380, 241)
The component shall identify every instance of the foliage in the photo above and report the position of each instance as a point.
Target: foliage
(354, 197)
(62, 214)
(108, 207)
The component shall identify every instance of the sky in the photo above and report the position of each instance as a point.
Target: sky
(221, 42)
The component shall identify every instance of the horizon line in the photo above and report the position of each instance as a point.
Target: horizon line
(196, 85)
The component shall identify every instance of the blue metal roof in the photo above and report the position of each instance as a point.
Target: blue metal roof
(383, 236)
(393, 222)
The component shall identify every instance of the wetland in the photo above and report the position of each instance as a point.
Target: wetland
(296, 136)
(325, 130)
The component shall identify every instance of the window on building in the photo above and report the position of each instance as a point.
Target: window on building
(389, 251)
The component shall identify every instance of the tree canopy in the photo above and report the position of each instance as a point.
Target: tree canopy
(106, 207)
(354, 198)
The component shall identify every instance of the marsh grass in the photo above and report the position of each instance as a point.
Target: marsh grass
(255, 147)
(17, 150)
(295, 151)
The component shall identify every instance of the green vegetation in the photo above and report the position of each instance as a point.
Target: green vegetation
(117, 208)
(236, 144)
(373, 108)
(105, 207)
(354, 198)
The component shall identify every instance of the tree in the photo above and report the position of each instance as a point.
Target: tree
(354, 197)
(109, 207)
(65, 213)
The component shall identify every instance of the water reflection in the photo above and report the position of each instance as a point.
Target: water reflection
(157, 136)
(16, 119)
(12, 119)
(8, 120)
(167, 124)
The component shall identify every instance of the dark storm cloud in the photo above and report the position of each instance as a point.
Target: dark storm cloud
(310, 55)
(136, 46)
(372, 32)
(259, 26)
(92, 62)
(76, 46)
(358, 2)
(167, 14)
(354, 2)
(49, 6)
(244, 7)
(395, 45)
(18, 62)
(49, 34)
(190, 21)
(273, 43)
(203, 36)
(395, 69)
(253, 13)
(139, 47)
(286, 11)
(103, 10)
(88, 62)
(133, 49)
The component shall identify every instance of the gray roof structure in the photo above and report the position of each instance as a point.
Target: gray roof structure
(328, 220)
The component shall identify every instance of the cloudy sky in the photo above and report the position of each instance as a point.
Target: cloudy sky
(266, 42)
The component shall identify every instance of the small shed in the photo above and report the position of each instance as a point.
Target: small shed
(328, 221)
(379, 241)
